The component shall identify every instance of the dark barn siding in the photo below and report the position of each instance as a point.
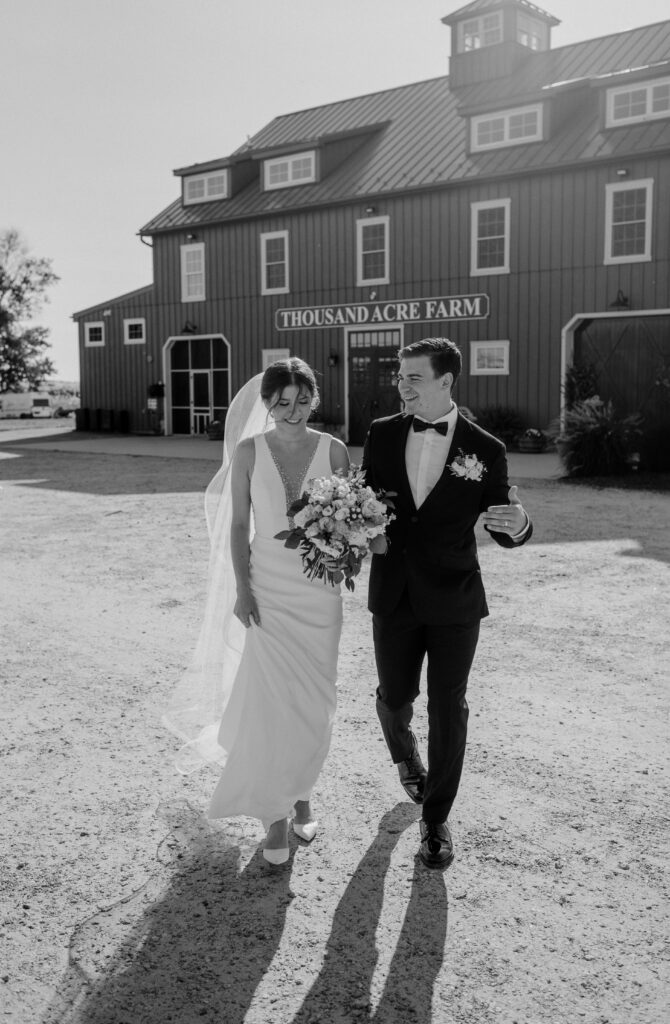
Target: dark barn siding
(557, 270)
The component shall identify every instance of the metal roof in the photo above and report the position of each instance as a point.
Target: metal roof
(418, 135)
(118, 300)
(484, 5)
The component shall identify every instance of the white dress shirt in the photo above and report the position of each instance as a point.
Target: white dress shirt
(426, 455)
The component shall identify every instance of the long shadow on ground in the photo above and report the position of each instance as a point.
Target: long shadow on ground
(83, 473)
(344, 983)
(196, 950)
(195, 945)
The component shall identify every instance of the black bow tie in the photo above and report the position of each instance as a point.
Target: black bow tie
(442, 428)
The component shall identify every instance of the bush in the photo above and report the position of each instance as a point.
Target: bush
(595, 441)
(503, 422)
(581, 382)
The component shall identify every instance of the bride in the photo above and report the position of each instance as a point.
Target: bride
(259, 698)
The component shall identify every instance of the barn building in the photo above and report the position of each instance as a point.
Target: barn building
(519, 205)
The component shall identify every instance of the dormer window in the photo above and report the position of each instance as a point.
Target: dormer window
(506, 128)
(206, 188)
(289, 171)
(475, 33)
(645, 101)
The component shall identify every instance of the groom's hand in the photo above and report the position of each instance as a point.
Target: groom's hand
(510, 519)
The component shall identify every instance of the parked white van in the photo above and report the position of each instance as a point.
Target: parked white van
(43, 407)
(17, 406)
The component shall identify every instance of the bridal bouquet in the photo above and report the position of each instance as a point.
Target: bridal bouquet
(336, 522)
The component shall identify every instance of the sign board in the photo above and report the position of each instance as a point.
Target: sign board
(152, 403)
(393, 311)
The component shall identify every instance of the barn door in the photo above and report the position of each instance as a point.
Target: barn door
(631, 359)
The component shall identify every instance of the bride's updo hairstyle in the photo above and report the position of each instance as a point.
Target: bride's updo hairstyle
(283, 374)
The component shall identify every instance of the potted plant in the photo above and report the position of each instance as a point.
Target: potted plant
(215, 430)
(532, 440)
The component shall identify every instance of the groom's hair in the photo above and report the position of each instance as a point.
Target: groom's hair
(285, 372)
(444, 355)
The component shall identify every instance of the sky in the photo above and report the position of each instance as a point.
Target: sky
(100, 100)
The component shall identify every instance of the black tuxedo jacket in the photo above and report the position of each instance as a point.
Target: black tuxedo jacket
(432, 549)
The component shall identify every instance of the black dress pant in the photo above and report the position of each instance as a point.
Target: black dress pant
(402, 641)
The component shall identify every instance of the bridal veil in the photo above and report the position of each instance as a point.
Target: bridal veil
(199, 700)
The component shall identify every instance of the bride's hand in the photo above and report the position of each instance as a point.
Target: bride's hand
(246, 609)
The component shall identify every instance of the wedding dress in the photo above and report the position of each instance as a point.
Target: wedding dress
(277, 725)
(260, 703)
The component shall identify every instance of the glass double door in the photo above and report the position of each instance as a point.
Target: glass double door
(198, 384)
(373, 362)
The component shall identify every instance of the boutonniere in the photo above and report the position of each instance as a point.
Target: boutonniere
(467, 466)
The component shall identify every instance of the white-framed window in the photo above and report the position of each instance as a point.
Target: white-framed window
(490, 237)
(134, 331)
(645, 101)
(506, 128)
(272, 355)
(475, 33)
(274, 263)
(193, 272)
(288, 171)
(530, 32)
(489, 358)
(372, 251)
(628, 221)
(206, 188)
(94, 334)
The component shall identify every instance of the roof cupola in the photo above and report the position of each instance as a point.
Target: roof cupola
(491, 38)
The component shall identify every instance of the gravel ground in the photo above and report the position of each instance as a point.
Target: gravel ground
(122, 904)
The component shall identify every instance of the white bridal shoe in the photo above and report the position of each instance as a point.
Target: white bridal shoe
(277, 855)
(306, 831)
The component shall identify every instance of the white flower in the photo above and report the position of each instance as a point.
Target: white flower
(468, 467)
(303, 517)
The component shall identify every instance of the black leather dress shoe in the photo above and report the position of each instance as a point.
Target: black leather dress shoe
(437, 849)
(413, 774)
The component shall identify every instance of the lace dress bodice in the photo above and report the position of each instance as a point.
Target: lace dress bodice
(271, 492)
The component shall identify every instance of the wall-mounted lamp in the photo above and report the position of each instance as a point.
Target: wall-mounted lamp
(150, 359)
(370, 210)
(106, 312)
(333, 359)
(189, 328)
(622, 172)
(621, 301)
(373, 295)
(191, 238)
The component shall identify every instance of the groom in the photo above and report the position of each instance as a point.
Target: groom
(426, 594)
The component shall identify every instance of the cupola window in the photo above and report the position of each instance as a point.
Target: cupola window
(531, 32)
(475, 33)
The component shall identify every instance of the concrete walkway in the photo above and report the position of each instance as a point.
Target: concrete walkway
(544, 466)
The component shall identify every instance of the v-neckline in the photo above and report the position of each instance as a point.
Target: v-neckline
(292, 494)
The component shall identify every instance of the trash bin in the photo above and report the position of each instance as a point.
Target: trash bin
(82, 419)
(123, 421)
